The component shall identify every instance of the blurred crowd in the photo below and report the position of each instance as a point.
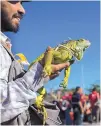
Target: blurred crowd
(76, 107)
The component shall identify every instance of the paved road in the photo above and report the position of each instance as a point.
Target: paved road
(94, 124)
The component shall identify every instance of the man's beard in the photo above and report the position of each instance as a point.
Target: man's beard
(6, 23)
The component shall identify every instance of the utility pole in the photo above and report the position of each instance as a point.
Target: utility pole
(82, 78)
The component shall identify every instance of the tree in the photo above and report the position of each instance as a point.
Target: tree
(97, 86)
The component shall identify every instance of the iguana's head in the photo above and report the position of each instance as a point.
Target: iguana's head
(78, 47)
(81, 46)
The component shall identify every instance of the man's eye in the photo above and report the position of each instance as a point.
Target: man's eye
(13, 2)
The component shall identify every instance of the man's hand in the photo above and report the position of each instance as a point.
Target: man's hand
(56, 69)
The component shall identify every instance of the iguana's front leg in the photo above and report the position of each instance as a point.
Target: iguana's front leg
(47, 62)
(66, 76)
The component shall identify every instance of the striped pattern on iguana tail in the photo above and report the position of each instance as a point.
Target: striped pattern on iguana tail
(64, 52)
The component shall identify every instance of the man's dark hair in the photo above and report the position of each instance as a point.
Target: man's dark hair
(94, 89)
(77, 88)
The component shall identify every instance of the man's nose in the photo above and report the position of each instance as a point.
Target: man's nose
(21, 9)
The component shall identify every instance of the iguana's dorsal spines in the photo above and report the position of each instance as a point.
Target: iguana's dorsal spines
(65, 42)
(69, 38)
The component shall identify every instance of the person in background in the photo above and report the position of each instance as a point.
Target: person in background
(67, 96)
(62, 112)
(83, 101)
(94, 98)
(66, 106)
(88, 112)
(77, 106)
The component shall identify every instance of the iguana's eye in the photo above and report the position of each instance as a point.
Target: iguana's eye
(81, 39)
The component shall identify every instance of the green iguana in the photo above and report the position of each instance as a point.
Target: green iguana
(62, 53)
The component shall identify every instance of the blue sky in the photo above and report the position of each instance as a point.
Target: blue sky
(49, 23)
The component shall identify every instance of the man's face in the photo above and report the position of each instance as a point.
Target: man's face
(11, 14)
(80, 91)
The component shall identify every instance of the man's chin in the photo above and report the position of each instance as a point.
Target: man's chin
(13, 28)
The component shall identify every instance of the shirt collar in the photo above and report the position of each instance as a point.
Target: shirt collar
(4, 38)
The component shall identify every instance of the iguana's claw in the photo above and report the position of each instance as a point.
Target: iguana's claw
(63, 85)
(47, 71)
(72, 61)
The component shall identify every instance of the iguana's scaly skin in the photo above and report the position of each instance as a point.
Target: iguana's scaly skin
(61, 54)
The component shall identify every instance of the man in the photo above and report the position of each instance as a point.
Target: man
(77, 106)
(18, 94)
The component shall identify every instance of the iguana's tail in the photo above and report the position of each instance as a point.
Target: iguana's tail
(22, 59)
(39, 103)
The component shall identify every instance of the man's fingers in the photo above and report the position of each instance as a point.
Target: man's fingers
(54, 75)
(48, 48)
(59, 67)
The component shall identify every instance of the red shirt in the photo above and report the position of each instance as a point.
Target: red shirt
(93, 97)
(67, 97)
(70, 97)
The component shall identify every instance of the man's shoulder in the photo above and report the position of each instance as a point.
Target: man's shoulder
(3, 37)
(4, 56)
(77, 94)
